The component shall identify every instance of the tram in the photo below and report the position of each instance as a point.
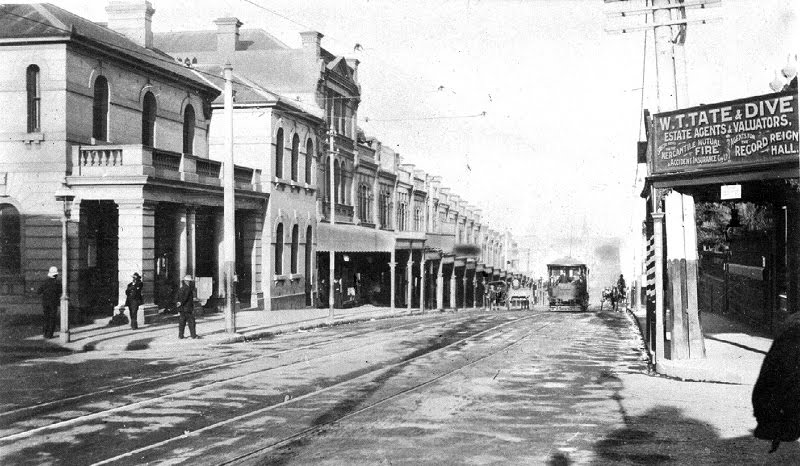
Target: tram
(567, 287)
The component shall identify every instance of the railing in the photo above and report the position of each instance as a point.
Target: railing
(243, 175)
(136, 160)
(165, 160)
(208, 168)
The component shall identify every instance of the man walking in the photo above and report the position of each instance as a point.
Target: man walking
(51, 296)
(184, 298)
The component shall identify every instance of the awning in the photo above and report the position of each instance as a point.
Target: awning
(353, 238)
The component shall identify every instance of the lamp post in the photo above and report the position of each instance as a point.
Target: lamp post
(65, 195)
(331, 217)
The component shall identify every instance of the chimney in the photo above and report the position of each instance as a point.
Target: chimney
(227, 34)
(311, 41)
(132, 18)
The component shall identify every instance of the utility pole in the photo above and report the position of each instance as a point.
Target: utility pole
(669, 31)
(229, 206)
(331, 216)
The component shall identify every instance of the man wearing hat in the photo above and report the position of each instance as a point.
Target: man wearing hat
(133, 298)
(51, 297)
(184, 299)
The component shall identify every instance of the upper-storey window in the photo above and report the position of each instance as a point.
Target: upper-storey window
(279, 154)
(100, 109)
(337, 176)
(295, 156)
(309, 159)
(149, 120)
(295, 249)
(9, 239)
(188, 130)
(279, 249)
(417, 219)
(34, 99)
(339, 113)
(385, 206)
(364, 204)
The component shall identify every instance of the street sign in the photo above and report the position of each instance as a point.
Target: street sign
(730, 191)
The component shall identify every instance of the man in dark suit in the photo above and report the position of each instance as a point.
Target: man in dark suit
(184, 299)
(50, 291)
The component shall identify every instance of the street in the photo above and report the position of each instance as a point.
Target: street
(522, 387)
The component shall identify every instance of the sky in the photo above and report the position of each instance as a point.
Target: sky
(529, 109)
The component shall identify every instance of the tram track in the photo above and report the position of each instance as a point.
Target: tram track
(127, 407)
(350, 380)
(183, 374)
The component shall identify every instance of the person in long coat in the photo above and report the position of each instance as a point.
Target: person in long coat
(133, 298)
(50, 291)
(184, 300)
(776, 395)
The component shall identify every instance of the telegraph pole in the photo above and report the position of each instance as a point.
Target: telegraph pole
(229, 207)
(331, 217)
(669, 30)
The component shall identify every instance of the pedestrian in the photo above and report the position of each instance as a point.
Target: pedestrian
(776, 394)
(621, 287)
(133, 298)
(184, 300)
(51, 297)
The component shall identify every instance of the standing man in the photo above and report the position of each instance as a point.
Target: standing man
(51, 302)
(621, 288)
(184, 299)
(134, 298)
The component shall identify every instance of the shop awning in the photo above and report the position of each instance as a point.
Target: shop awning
(353, 238)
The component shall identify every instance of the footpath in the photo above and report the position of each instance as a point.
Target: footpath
(251, 324)
(734, 352)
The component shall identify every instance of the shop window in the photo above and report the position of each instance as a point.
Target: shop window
(34, 99)
(295, 156)
(10, 240)
(100, 109)
(279, 154)
(188, 130)
(148, 120)
(295, 248)
(279, 249)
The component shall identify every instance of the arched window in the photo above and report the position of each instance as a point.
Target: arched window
(417, 219)
(279, 154)
(188, 130)
(100, 109)
(149, 120)
(34, 99)
(279, 249)
(309, 160)
(295, 156)
(401, 216)
(9, 240)
(295, 248)
(336, 180)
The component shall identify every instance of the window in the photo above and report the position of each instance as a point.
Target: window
(295, 248)
(188, 130)
(336, 180)
(364, 210)
(149, 120)
(417, 219)
(34, 99)
(279, 249)
(295, 156)
(309, 160)
(100, 109)
(401, 216)
(385, 206)
(342, 185)
(309, 244)
(9, 239)
(279, 154)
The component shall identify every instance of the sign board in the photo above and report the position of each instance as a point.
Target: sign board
(756, 130)
(204, 287)
(730, 191)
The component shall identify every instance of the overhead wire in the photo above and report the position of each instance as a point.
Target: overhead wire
(176, 62)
